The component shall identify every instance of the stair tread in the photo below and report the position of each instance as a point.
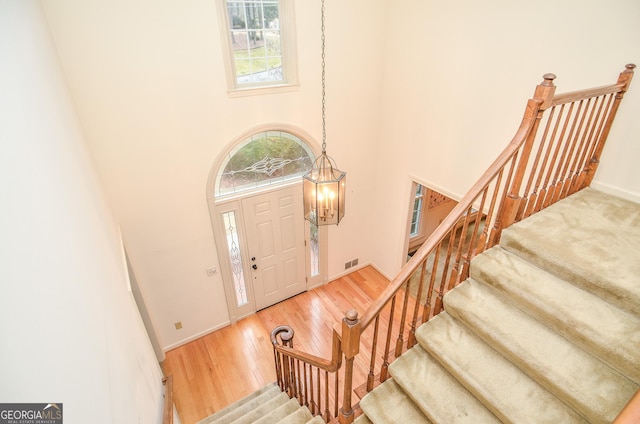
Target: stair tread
(591, 387)
(610, 333)
(389, 404)
(362, 419)
(301, 416)
(591, 239)
(248, 402)
(316, 420)
(436, 392)
(275, 413)
(500, 385)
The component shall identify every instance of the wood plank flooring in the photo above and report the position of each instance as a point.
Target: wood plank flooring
(222, 367)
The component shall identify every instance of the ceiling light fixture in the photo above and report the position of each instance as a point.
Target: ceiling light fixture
(324, 186)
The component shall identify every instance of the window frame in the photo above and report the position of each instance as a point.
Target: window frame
(224, 193)
(419, 237)
(288, 47)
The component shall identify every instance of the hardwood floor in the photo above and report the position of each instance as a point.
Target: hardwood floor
(222, 367)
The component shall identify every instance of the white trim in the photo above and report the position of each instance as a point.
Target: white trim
(196, 336)
(436, 187)
(354, 269)
(218, 205)
(616, 191)
(258, 91)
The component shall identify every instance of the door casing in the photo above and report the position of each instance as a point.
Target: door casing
(234, 203)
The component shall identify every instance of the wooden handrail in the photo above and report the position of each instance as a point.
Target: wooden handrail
(531, 173)
(167, 409)
(330, 365)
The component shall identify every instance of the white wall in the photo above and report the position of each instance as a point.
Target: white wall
(457, 78)
(147, 78)
(70, 330)
(405, 81)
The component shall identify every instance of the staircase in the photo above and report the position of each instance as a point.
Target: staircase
(268, 405)
(545, 330)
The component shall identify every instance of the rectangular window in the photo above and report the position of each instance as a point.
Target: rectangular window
(416, 216)
(260, 44)
(237, 269)
(314, 250)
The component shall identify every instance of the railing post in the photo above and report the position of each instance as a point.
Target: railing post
(350, 347)
(542, 99)
(284, 366)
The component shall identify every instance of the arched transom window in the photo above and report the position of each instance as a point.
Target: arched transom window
(263, 159)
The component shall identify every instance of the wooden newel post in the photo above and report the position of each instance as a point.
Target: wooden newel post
(350, 347)
(511, 207)
(284, 368)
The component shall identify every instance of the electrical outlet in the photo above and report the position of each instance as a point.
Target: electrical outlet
(354, 262)
(211, 271)
(178, 325)
(347, 265)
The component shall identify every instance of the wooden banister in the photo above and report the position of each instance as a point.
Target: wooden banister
(167, 409)
(535, 170)
(630, 414)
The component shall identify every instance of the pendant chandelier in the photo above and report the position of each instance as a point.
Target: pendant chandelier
(325, 185)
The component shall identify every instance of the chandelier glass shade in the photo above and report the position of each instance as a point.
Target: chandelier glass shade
(324, 192)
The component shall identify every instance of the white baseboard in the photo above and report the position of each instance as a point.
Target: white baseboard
(615, 191)
(381, 272)
(195, 336)
(356, 268)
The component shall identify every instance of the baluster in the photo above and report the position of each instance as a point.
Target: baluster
(536, 168)
(412, 332)
(471, 243)
(312, 405)
(426, 313)
(542, 172)
(336, 382)
(299, 383)
(326, 401)
(327, 413)
(445, 272)
(305, 384)
(276, 360)
(374, 345)
(385, 359)
(503, 208)
(570, 148)
(455, 270)
(403, 317)
(583, 147)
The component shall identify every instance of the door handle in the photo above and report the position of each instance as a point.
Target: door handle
(254, 266)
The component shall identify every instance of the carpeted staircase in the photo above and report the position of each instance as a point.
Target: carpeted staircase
(545, 330)
(268, 405)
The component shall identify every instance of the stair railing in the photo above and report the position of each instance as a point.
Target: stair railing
(535, 170)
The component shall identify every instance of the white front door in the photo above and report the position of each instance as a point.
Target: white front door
(274, 228)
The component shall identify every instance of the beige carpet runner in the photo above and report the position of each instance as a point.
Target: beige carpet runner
(268, 405)
(545, 330)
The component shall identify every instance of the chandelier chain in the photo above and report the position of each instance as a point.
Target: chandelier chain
(324, 131)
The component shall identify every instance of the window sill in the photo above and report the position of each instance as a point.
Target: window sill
(262, 90)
